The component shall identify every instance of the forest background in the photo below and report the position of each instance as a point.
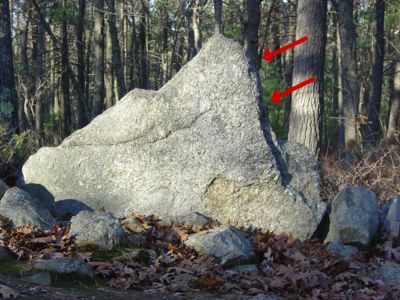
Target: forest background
(64, 62)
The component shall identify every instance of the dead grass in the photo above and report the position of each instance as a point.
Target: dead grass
(377, 169)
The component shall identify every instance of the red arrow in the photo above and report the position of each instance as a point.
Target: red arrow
(268, 55)
(276, 96)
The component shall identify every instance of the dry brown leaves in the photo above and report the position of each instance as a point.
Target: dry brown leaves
(286, 266)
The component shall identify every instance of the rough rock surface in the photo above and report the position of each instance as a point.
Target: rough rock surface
(42, 278)
(389, 273)
(225, 243)
(199, 144)
(342, 250)
(354, 217)
(23, 210)
(392, 221)
(93, 228)
(65, 265)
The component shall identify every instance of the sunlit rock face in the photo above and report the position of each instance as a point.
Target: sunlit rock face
(199, 144)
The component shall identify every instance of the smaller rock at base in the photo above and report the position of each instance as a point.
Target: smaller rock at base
(389, 273)
(42, 278)
(98, 229)
(341, 250)
(226, 243)
(251, 270)
(64, 265)
(266, 297)
(23, 210)
(392, 221)
(354, 217)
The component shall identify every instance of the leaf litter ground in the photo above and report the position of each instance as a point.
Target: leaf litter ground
(287, 267)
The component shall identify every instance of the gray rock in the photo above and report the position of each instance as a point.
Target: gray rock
(93, 228)
(389, 273)
(42, 278)
(191, 219)
(3, 253)
(199, 144)
(247, 270)
(268, 296)
(3, 188)
(23, 210)
(342, 250)
(354, 217)
(225, 243)
(392, 221)
(64, 265)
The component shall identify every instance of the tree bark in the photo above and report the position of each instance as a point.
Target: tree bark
(393, 124)
(8, 95)
(80, 49)
(348, 74)
(218, 16)
(251, 23)
(373, 127)
(65, 101)
(196, 24)
(118, 69)
(109, 76)
(305, 117)
(97, 106)
(143, 11)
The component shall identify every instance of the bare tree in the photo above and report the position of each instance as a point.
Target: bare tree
(347, 73)
(394, 115)
(218, 16)
(305, 116)
(8, 96)
(118, 70)
(251, 24)
(373, 128)
(97, 106)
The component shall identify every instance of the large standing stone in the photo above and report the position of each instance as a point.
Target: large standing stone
(199, 144)
(23, 210)
(354, 217)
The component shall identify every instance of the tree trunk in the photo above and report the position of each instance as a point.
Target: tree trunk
(80, 49)
(393, 124)
(218, 16)
(109, 76)
(8, 95)
(348, 74)
(289, 61)
(116, 50)
(196, 24)
(97, 106)
(143, 10)
(134, 50)
(305, 116)
(373, 127)
(251, 23)
(65, 101)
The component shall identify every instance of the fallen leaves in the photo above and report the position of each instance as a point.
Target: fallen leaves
(286, 266)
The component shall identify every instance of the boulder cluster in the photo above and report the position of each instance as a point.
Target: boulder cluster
(197, 150)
